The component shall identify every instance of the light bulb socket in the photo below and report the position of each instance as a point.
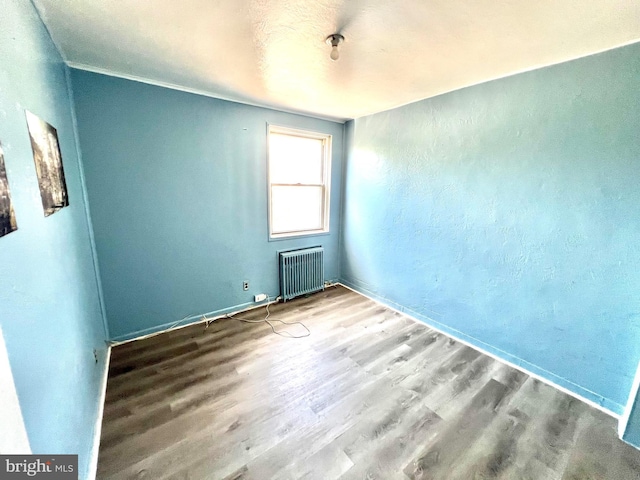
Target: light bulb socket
(334, 40)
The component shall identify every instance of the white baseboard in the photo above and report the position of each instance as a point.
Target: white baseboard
(192, 320)
(492, 355)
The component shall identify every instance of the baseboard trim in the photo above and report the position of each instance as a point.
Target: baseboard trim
(192, 320)
(493, 352)
(97, 431)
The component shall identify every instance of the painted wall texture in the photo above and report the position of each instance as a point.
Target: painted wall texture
(632, 431)
(629, 425)
(507, 214)
(178, 195)
(49, 303)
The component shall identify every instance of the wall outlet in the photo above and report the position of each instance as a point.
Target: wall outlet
(260, 297)
(245, 285)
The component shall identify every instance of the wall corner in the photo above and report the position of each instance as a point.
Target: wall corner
(629, 424)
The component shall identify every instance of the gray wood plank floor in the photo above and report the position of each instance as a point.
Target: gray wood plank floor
(369, 395)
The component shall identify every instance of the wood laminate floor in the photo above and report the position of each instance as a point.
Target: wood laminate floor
(369, 395)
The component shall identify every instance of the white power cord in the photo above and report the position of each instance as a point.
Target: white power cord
(282, 333)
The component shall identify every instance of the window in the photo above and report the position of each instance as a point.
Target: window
(299, 172)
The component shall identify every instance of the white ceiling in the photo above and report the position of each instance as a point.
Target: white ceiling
(273, 52)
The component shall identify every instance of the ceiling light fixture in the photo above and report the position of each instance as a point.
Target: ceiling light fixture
(334, 40)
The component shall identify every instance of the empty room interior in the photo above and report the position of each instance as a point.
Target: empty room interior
(251, 239)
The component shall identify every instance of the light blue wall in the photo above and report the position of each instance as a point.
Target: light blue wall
(178, 194)
(508, 214)
(632, 432)
(630, 425)
(49, 303)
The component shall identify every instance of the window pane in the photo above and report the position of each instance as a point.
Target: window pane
(295, 159)
(296, 209)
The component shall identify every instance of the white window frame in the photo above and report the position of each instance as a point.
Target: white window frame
(326, 180)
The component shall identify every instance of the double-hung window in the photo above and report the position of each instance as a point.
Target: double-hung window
(299, 173)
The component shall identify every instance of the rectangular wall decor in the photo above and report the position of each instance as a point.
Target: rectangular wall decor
(7, 215)
(48, 160)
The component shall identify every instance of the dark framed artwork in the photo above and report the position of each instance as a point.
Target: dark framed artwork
(48, 160)
(7, 215)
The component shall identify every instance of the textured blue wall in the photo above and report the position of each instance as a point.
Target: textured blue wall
(631, 433)
(508, 214)
(49, 303)
(178, 194)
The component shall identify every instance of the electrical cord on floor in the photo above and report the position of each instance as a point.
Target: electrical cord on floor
(188, 317)
(282, 333)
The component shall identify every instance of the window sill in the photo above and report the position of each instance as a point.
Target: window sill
(291, 236)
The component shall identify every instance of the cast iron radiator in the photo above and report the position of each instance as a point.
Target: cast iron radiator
(301, 272)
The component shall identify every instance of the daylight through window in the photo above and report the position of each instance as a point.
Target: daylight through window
(299, 172)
